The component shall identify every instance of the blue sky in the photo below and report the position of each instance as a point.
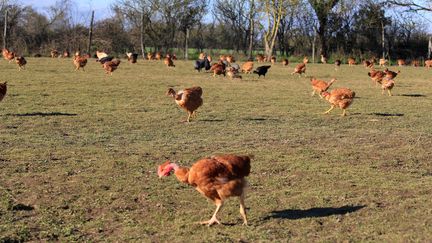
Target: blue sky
(81, 8)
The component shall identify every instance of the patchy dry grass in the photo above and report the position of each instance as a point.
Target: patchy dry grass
(78, 152)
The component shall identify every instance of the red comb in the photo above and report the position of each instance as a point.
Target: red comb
(162, 167)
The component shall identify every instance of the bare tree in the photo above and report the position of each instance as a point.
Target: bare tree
(190, 13)
(235, 15)
(273, 11)
(251, 29)
(285, 32)
(138, 13)
(322, 10)
(411, 5)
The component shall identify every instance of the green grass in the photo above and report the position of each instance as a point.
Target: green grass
(80, 150)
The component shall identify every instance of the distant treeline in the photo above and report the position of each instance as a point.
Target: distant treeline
(352, 28)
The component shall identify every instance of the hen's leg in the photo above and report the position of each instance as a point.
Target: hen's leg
(213, 219)
(243, 209)
(189, 116)
(313, 93)
(194, 114)
(331, 108)
(344, 112)
(389, 92)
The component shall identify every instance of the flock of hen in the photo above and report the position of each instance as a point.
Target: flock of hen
(221, 177)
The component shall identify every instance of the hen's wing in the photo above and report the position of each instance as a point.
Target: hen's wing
(194, 91)
(342, 93)
(237, 166)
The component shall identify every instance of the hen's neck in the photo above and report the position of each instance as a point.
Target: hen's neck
(182, 173)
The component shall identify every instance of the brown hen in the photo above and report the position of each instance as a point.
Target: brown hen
(341, 97)
(168, 61)
(218, 68)
(260, 58)
(376, 76)
(247, 67)
(216, 177)
(320, 86)
(79, 61)
(111, 66)
(8, 55)
(388, 85)
(300, 68)
(390, 74)
(188, 99)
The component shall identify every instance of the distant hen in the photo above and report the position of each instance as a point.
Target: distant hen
(111, 66)
(21, 61)
(262, 70)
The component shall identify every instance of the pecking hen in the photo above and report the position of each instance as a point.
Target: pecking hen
(216, 177)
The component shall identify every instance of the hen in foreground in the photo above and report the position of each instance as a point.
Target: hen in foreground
(341, 97)
(188, 99)
(216, 177)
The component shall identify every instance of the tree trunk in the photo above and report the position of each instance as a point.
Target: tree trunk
(142, 36)
(313, 47)
(90, 34)
(429, 48)
(5, 29)
(251, 28)
(269, 48)
(322, 36)
(383, 39)
(273, 28)
(186, 51)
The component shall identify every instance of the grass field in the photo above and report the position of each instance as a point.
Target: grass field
(79, 150)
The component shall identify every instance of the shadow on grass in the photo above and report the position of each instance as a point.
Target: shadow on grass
(386, 114)
(413, 95)
(212, 120)
(22, 207)
(259, 119)
(312, 213)
(43, 114)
